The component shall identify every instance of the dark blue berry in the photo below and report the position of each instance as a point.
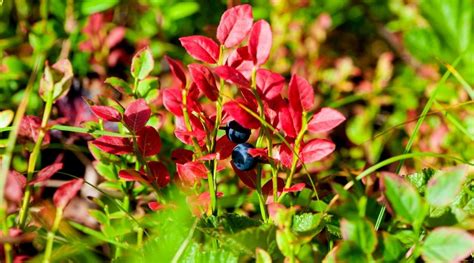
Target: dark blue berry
(236, 133)
(241, 159)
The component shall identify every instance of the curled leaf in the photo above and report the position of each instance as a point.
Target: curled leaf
(56, 80)
(177, 70)
(201, 48)
(232, 76)
(46, 173)
(107, 113)
(66, 192)
(114, 145)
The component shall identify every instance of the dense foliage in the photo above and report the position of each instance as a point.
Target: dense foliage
(286, 131)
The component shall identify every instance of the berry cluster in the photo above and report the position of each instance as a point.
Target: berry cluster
(241, 158)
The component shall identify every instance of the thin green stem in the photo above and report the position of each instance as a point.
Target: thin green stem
(34, 158)
(51, 234)
(296, 150)
(20, 112)
(411, 140)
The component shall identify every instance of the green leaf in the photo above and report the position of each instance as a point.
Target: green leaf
(98, 235)
(423, 43)
(346, 251)
(361, 232)
(447, 244)
(181, 10)
(119, 84)
(404, 199)
(262, 256)
(246, 241)
(420, 179)
(445, 186)
(452, 20)
(198, 254)
(6, 118)
(307, 223)
(147, 86)
(392, 249)
(88, 7)
(142, 64)
(56, 80)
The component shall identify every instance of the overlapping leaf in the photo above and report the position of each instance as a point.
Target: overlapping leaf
(114, 145)
(325, 120)
(137, 115)
(204, 80)
(66, 192)
(234, 26)
(106, 113)
(260, 42)
(201, 48)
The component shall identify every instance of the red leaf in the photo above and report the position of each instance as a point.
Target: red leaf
(172, 99)
(160, 173)
(115, 36)
(258, 152)
(286, 154)
(197, 131)
(234, 26)
(325, 120)
(177, 69)
(260, 42)
(30, 127)
(240, 115)
(240, 60)
(114, 145)
(130, 175)
(249, 178)
(316, 150)
(46, 173)
(232, 76)
(14, 186)
(295, 188)
(300, 94)
(267, 188)
(191, 172)
(155, 206)
(224, 147)
(204, 80)
(137, 115)
(209, 157)
(201, 48)
(290, 121)
(269, 84)
(149, 141)
(181, 155)
(66, 192)
(107, 113)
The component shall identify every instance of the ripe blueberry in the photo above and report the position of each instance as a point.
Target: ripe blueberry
(236, 133)
(241, 159)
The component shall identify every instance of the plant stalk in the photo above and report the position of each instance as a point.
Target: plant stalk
(52, 234)
(33, 159)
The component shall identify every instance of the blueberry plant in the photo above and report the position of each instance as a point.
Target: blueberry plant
(236, 182)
